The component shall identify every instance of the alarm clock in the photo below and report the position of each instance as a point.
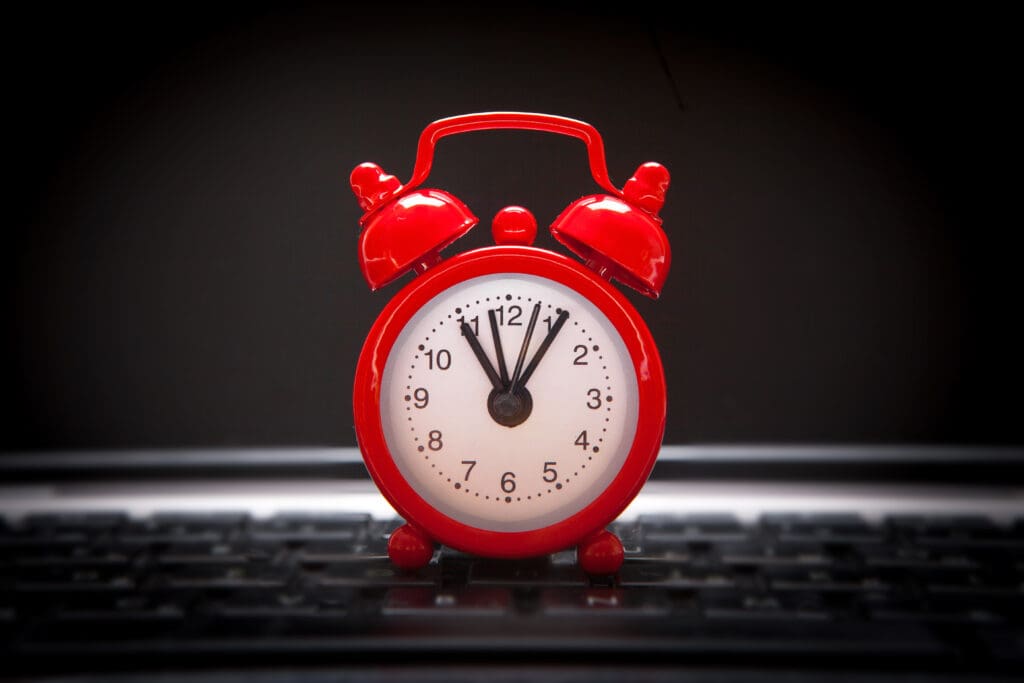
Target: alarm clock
(509, 401)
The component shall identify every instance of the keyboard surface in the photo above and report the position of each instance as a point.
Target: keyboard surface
(100, 590)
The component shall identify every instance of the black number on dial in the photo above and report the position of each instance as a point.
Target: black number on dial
(582, 351)
(508, 482)
(442, 359)
(421, 397)
(550, 473)
(472, 464)
(595, 399)
(435, 443)
(475, 321)
(514, 313)
(581, 440)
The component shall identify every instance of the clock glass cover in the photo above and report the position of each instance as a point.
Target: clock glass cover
(509, 402)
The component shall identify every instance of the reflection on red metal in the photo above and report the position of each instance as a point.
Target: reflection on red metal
(515, 120)
(514, 225)
(622, 238)
(600, 554)
(409, 547)
(409, 232)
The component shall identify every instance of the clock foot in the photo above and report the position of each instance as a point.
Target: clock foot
(410, 548)
(601, 553)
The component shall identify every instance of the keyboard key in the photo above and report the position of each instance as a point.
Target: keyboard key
(223, 520)
(606, 602)
(253, 603)
(788, 578)
(375, 572)
(199, 553)
(534, 572)
(812, 523)
(299, 528)
(471, 601)
(745, 606)
(23, 542)
(901, 555)
(85, 522)
(73, 579)
(326, 552)
(962, 532)
(840, 528)
(145, 535)
(84, 556)
(672, 533)
(219, 577)
(705, 522)
(762, 554)
(137, 610)
(679, 576)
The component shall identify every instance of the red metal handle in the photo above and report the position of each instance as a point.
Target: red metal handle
(513, 120)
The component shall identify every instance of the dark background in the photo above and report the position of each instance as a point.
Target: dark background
(180, 258)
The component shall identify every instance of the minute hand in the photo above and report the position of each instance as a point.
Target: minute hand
(542, 349)
(517, 377)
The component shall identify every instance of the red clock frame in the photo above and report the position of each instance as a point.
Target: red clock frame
(609, 503)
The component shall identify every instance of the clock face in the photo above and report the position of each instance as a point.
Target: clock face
(509, 402)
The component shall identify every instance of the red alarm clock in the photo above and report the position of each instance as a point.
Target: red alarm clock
(509, 401)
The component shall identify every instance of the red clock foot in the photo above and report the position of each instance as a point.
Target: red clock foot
(410, 548)
(601, 553)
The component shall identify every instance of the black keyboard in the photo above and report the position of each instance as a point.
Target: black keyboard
(107, 591)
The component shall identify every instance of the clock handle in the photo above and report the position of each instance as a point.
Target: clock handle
(617, 234)
(514, 120)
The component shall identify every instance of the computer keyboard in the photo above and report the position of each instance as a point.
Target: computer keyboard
(114, 591)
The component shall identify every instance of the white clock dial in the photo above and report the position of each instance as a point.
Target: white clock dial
(495, 450)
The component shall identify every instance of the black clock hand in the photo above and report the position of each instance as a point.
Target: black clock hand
(542, 349)
(485, 362)
(522, 351)
(497, 348)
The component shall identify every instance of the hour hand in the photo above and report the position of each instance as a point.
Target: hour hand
(502, 368)
(485, 362)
